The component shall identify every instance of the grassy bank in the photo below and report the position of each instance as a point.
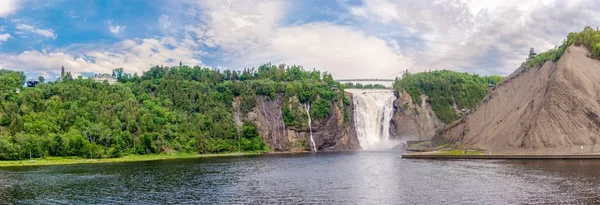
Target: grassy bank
(129, 158)
(457, 152)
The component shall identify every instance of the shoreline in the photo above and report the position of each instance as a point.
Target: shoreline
(500, 156)
(129, 158)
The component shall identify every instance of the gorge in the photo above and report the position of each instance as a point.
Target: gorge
(182, 109)
(372, 119)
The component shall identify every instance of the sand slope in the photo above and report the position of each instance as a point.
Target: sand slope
(554, 108)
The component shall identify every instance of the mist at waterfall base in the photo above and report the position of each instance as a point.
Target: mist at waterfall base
(373, 111)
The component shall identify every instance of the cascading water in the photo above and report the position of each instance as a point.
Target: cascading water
(373, 111)
(312, 141)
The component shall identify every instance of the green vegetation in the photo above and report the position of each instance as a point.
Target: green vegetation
(178, 109)
(129, 158)
(457, 152)
(589, 37)
(445, 88)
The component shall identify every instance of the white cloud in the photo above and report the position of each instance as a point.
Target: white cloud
(8, 7)
(341, 50)
(239, 25)
(383, 37)
(115, 29)
(478, 36)
(164, 21)
(248, 33)
(48, 33)
(4, 37)
(132, 55)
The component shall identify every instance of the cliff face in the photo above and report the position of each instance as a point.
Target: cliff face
(413, 122)
(549, 109)
(329, 134)
(336, 134)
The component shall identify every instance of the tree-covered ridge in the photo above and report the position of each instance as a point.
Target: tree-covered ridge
(166, 109)
(445, 88)
(589, 37)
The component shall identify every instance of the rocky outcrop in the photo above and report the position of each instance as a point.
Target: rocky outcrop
(552, 108)
(330, 134)
(335, 133)
(412, 122)
(267, 116)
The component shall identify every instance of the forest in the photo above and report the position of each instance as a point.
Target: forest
(589, 38)
(445, 89)
(165, 110)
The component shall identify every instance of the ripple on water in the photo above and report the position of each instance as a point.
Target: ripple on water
(323, 178)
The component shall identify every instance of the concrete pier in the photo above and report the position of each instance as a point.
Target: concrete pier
(497, 156)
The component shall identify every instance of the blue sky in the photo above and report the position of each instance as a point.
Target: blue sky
(349, 38)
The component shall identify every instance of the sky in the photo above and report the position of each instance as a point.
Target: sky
(347, 38)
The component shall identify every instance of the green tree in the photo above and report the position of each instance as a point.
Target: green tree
(445, 90)
(166, 109)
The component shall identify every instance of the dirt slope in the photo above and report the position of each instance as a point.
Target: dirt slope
(549, 109)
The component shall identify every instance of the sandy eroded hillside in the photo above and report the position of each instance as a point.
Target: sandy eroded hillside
(554, 108)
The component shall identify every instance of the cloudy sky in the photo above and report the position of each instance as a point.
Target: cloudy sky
(348, 38)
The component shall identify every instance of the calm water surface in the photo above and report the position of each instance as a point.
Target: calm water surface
(324, 178)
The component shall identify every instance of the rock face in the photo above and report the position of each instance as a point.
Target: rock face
(334, 134)
(413, 122)
(330, 134)
(554, 108)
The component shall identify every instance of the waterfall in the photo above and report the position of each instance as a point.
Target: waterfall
(312, 141)
(373, 111)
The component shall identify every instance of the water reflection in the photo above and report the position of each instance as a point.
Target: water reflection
(577, 178)
(323, 178)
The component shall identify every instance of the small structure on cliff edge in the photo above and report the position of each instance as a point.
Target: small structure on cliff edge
(532, 53)
(464, 112)
(491, 87)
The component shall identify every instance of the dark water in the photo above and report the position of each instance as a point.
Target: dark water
(324, 178)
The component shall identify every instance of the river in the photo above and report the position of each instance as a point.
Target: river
(316, 178)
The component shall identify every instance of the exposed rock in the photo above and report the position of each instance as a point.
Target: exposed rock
(336, 134)
(549, 109)
(330, 134)
(404, 124)
(413, 122)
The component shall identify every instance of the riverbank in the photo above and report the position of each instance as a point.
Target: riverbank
(129, 158)
(479, 155)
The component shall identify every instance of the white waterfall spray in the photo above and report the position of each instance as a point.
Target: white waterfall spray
(312, 141)
(373, 111)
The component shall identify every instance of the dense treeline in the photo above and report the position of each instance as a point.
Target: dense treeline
(589, 37)
(446, 88)
(166, 109)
